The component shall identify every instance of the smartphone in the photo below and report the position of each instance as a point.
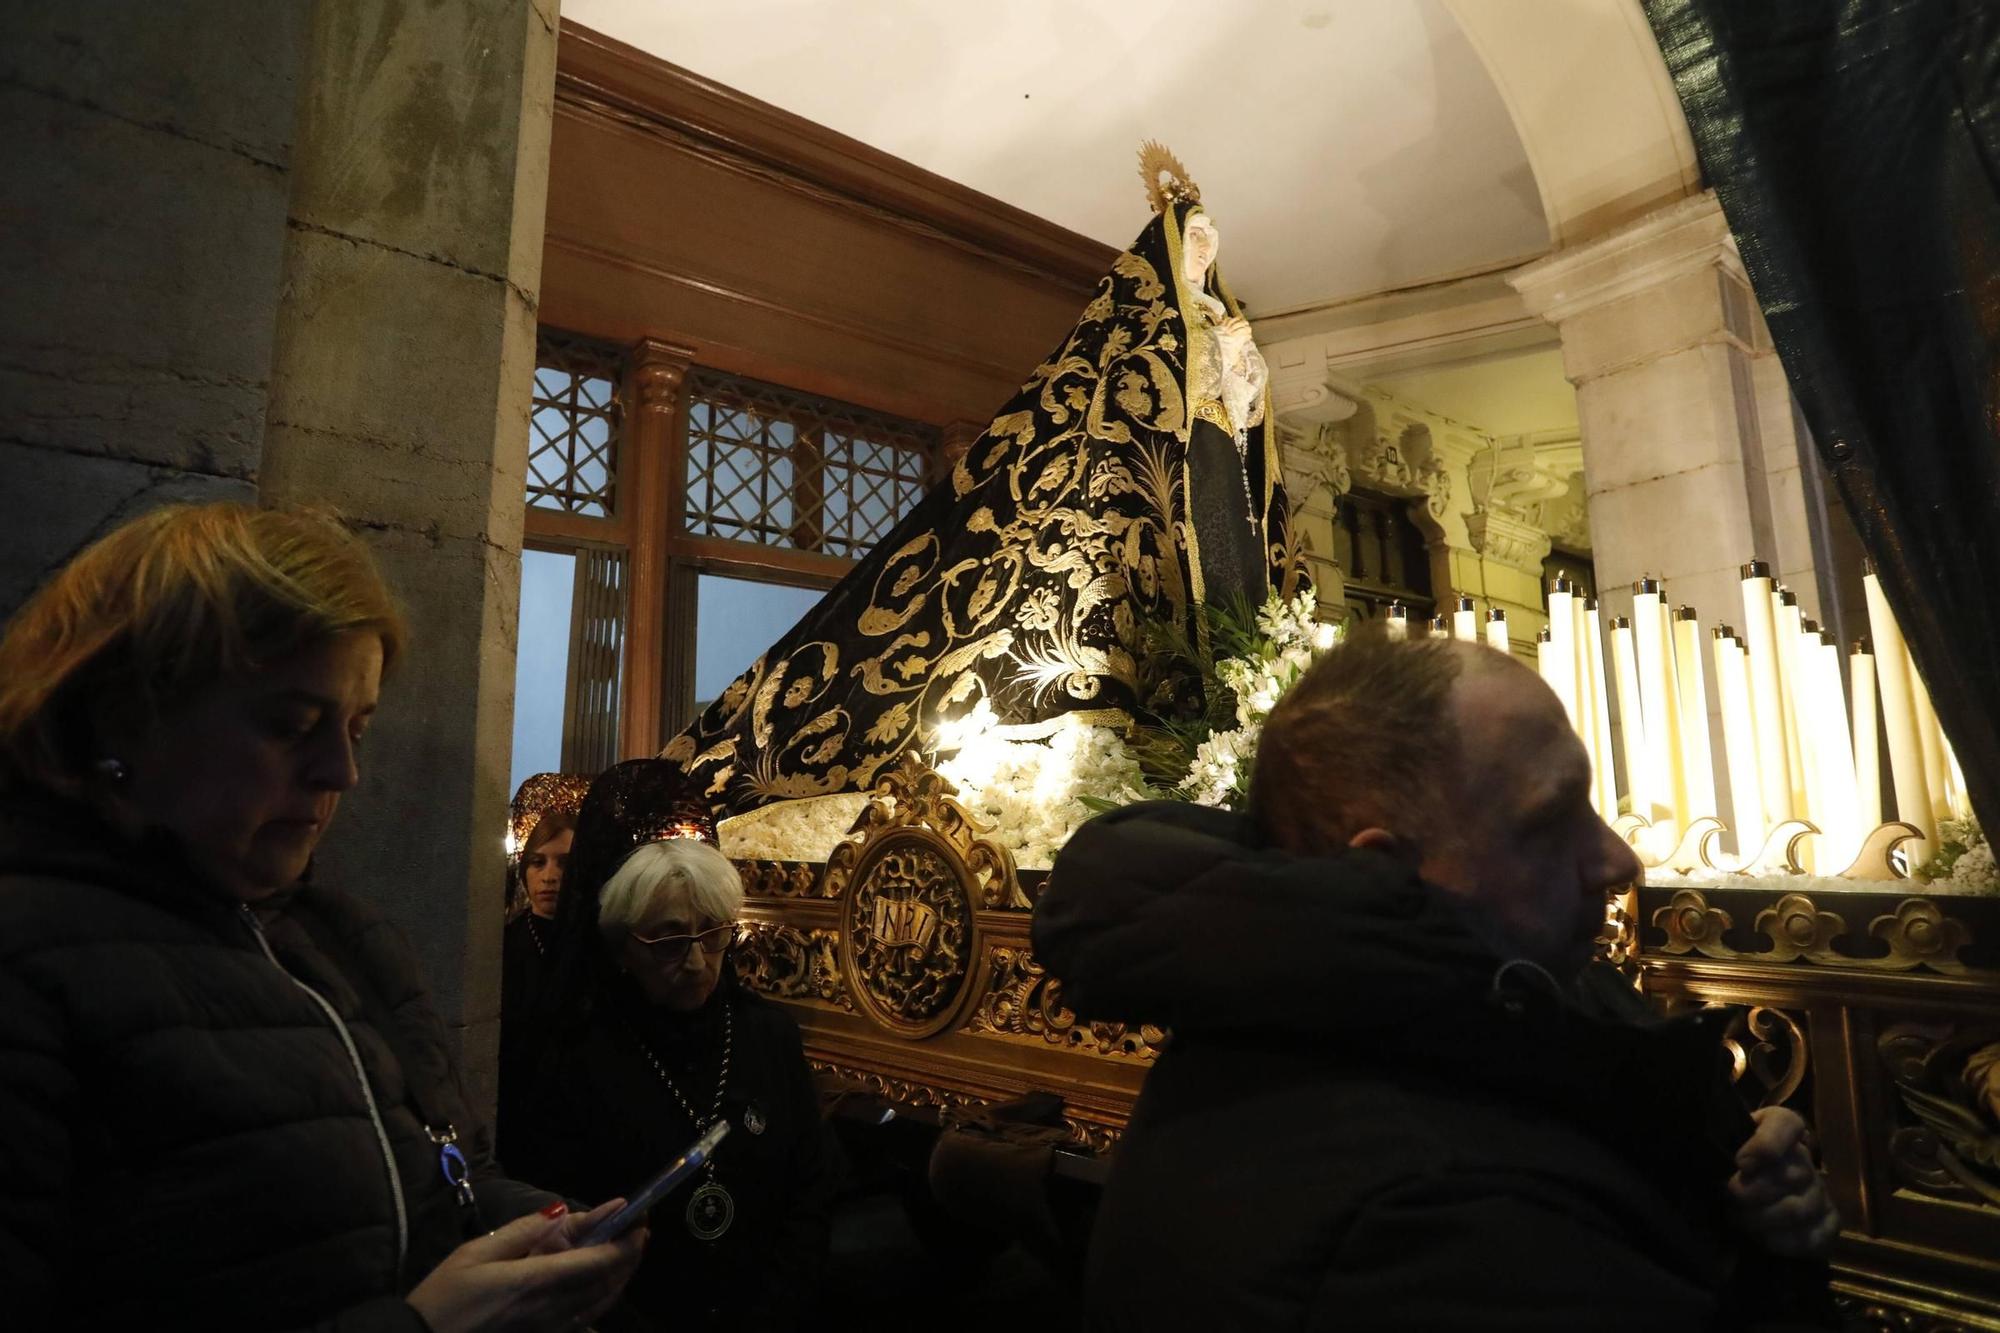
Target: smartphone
(656, 1189)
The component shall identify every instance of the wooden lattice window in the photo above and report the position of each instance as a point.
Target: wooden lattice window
(780, 468)
(1381, 555)
(573, 431)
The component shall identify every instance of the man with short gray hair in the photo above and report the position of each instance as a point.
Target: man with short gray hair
(1398, 1095)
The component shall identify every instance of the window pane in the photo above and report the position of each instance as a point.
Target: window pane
(541, 668)
(573, 429)
(780, 468)
(736, 619)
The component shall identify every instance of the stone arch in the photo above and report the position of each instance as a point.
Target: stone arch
(1593, 106)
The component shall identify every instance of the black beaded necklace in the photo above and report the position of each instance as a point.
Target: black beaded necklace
(712, 1208)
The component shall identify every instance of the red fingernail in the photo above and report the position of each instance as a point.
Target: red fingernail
(556, 1209)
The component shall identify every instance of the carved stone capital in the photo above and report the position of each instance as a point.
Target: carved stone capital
(658, 370)
(1314, 460)
(1508, 540)
(1306, 393)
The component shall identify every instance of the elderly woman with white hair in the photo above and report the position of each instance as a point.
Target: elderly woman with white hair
(645, 1040)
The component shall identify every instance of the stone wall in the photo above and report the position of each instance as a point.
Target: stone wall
(399, 391)
(291, 251)
(141, 251)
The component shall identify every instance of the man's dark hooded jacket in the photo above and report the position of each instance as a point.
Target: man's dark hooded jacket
(1364, 1119)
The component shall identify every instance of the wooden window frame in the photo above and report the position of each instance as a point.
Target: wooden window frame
(663, 559)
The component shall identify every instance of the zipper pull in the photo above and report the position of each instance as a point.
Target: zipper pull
(452, 1165)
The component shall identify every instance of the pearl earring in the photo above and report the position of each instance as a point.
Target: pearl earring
(113, 770)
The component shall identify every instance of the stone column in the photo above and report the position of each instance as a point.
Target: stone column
(399, 393)
(147, 165)
(1681, 404)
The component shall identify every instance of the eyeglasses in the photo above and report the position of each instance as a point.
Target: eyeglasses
(673, 949)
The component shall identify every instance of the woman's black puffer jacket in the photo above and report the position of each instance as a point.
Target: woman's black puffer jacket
(213, 1118)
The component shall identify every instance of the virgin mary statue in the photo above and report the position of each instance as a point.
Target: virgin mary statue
(1133, 476)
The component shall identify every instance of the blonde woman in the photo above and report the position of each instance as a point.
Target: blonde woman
(229, 1103)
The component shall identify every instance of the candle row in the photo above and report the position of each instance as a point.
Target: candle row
(1797, 743)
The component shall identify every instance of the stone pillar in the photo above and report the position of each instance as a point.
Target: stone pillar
(147, 167)
(1691, 456)
(399, 393)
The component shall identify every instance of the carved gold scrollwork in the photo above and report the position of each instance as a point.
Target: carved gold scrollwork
(950, 1103)
(1874, 1315)
(1768, 1047)
(920, 798)
(788, 963)
(1798, 929)
(1618, 942)
(911, 887)
(1022, 1000)
(1693, 926)
(1918, 934)
(1944, 1077)
(779, 879)
(908, 932)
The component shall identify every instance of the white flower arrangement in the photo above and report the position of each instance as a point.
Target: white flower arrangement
(802, 830)
(1964, 861)
(1288, 636)
(1032, 793)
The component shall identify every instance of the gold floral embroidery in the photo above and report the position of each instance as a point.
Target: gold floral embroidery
(1017, 582)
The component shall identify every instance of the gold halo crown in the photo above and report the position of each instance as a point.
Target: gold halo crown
(1167, 181)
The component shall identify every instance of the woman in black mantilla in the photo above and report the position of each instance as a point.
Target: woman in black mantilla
(645, 1039)
(541, 824)
(1133, 475)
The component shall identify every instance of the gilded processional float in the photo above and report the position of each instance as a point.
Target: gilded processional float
(895, 774)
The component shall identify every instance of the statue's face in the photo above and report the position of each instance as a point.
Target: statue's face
(1198, 249)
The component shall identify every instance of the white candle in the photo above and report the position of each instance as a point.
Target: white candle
(1960, 798)
(1496, 631)
(1396, 622)
(1656, 697)
(1465, 622)
(1785, 610)
(1543, 657)
(1562, 640)
(1899, 717)
(1932, 738)
(1739, 744)
(1697, 762)
(1824, 713)
(1590, 685)
(1867, 737)
(1631, 720)
(1767, 714)
(1439, 630)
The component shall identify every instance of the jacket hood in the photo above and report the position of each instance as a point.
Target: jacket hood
(1176, 916)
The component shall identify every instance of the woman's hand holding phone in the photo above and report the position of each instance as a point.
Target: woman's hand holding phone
(530, 1274)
